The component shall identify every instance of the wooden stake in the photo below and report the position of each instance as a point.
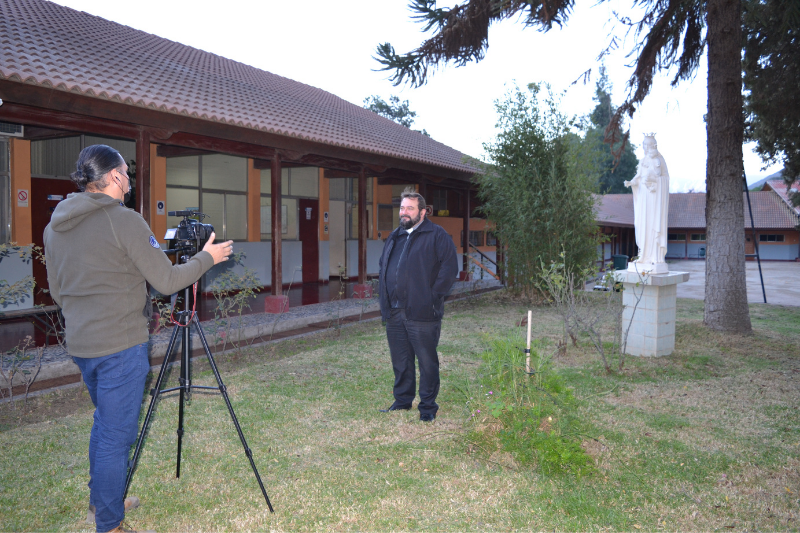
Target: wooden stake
(528, 352)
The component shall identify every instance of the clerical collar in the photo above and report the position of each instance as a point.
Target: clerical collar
(415, 226)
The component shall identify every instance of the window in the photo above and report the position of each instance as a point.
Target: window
(56, 157)
(288, 218)
(214, 184)
(698, 237)
(677, 237)
(439, 200)
(302, 182)
(476, 238)
(771, 238)
(491, 238)
(386, 218)
(5, 193)
(347, 189)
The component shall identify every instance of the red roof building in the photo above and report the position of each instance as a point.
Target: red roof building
(775, 223)
(210, 133)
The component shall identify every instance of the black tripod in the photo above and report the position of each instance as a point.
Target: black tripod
(185, 320)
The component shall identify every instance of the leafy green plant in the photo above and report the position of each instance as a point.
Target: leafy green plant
(537, 412)
(21, 364)
(233, 292)
(538, 187)
(19, 291)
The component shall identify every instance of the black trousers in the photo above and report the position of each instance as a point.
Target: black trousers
(409, 339)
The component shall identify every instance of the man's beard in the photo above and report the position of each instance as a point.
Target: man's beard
(406, 222)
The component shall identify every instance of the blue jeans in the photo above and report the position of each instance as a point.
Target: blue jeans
(116, 384)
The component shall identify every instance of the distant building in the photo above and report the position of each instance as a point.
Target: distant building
(775, 221)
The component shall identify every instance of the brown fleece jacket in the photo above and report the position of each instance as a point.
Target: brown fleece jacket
(99, 255)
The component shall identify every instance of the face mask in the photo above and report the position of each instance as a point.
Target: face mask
(126, 196)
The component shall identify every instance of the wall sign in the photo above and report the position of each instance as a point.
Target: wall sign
(22, 197)
(160, 207)
(308, 213)
(325, 217)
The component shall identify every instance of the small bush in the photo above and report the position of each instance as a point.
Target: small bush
(536, 412)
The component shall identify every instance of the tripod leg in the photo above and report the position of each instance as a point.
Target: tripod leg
(155, 392)
(224, 392)
(185, 384)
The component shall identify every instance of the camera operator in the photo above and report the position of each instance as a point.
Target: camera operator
(99, 257)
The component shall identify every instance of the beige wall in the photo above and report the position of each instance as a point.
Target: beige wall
(21, 223)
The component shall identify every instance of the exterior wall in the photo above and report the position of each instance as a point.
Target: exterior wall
(21, 224)
(259, 259)
(374, 250)
(789, 250)
(777, 252)
(676, 249)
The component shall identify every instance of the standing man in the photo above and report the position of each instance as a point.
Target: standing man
(417, 270)
(99, 254)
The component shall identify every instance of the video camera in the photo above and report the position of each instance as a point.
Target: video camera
(191, 234)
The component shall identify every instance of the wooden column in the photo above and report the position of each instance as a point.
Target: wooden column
(464, 275)
(362, 290)
(277, 226)
(276, 302)
(143, 175)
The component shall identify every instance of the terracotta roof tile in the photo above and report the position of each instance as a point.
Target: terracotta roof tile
(688, 210)
(46, 44)
(779, 186)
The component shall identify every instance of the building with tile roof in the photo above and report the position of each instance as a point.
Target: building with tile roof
(775, 223)
(780, 188)
(252, 148)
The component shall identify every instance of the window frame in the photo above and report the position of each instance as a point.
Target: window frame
(221, 229)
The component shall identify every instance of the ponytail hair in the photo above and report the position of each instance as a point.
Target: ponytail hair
(94, 162)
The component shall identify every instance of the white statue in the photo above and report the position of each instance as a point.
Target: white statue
(650, 189)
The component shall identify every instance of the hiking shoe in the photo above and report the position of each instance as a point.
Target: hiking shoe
(131, 502)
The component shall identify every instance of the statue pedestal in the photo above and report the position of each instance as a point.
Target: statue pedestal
(648, 268)
(652, 324)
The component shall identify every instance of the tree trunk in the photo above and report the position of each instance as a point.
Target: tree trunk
(726, 288)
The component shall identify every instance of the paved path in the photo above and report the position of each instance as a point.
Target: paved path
(781, 281)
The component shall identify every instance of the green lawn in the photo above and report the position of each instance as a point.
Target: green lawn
(705, 439)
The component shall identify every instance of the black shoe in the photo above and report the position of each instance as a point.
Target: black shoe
(396, 407)
(427, 417)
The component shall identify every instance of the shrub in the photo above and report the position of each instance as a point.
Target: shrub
(537, 413)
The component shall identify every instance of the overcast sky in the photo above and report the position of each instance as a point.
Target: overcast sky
(331, 44)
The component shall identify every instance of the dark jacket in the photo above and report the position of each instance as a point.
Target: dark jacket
(428, 274)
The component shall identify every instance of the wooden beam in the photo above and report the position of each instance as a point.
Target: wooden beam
(277, 227)
(363, 225)
(143, 174)
(466, 232)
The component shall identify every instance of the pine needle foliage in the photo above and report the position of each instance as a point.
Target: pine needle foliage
(538, 188)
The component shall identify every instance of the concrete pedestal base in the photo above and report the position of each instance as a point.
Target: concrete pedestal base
(362, 291)
(652, 320)
(276, 304)
(648, 268)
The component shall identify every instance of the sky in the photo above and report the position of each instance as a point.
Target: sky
(331, 45)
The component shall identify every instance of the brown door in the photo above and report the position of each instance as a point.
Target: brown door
(45, 195)
(309, 236)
